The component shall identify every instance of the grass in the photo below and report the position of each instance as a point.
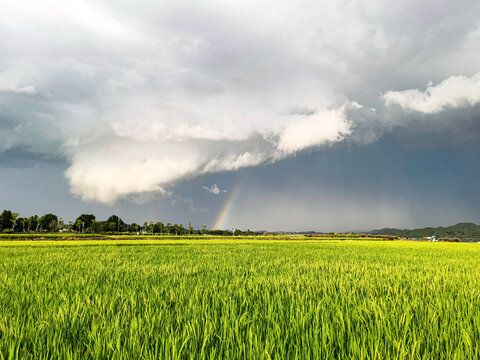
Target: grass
(191, 299)
(77, 236)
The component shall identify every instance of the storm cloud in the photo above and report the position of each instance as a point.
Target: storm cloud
(140, 96)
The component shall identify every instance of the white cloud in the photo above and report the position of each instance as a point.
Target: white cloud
(235, 162)
(16, 89)
(9, 84)
(117, 169)
(453, 92)
(214, 189)
(317, 129)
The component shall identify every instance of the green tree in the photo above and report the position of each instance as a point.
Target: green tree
(78, 225)
(6, 220)
(32, 223)
(159, 228)
(98, 226)
(14, 220)
(133, 228)
(114, 223)
(20, 224)
(60, 224)
(48, 222)
(181, 229)
(84, 221)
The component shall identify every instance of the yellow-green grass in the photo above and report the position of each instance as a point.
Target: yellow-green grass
(179, 240)
(69, 236)
(238, 299)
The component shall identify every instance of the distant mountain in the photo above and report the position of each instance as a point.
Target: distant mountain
(463, 231)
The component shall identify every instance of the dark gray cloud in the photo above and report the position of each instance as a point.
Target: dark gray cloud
(20, 158)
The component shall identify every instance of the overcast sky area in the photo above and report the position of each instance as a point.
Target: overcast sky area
(280, 115)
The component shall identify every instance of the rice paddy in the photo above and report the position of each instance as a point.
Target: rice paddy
(238, 299)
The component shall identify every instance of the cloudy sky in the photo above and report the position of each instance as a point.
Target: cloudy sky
(278, 115)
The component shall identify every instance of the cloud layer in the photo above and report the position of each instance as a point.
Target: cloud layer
(140, 97)
(451, 93)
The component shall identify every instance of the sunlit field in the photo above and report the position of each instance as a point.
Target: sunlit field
(238, 299)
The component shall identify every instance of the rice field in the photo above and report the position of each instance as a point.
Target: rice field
(123, 236)
(238, 299)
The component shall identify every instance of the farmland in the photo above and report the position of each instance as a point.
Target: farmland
(142, 237)
(238, 298)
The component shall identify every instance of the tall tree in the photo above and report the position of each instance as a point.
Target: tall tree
(60, 224)
(159, 228)
(133, 228)
(98, 226)
(32, 223)
(176, 229)
(84, 221)
(181, 229)
(114, 223)
(49, 222)
(14, 220)
(20, 224)
(6, 220)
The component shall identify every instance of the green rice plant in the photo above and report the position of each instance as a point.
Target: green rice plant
(77, 236)
(239, 299)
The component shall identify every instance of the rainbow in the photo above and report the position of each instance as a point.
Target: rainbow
(226, 209)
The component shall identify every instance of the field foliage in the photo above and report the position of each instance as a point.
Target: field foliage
(120, 236)
(238, 299)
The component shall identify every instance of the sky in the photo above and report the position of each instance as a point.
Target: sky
(275, 115)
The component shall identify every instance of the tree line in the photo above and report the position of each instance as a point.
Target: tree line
(460, 230)
(11, 222)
